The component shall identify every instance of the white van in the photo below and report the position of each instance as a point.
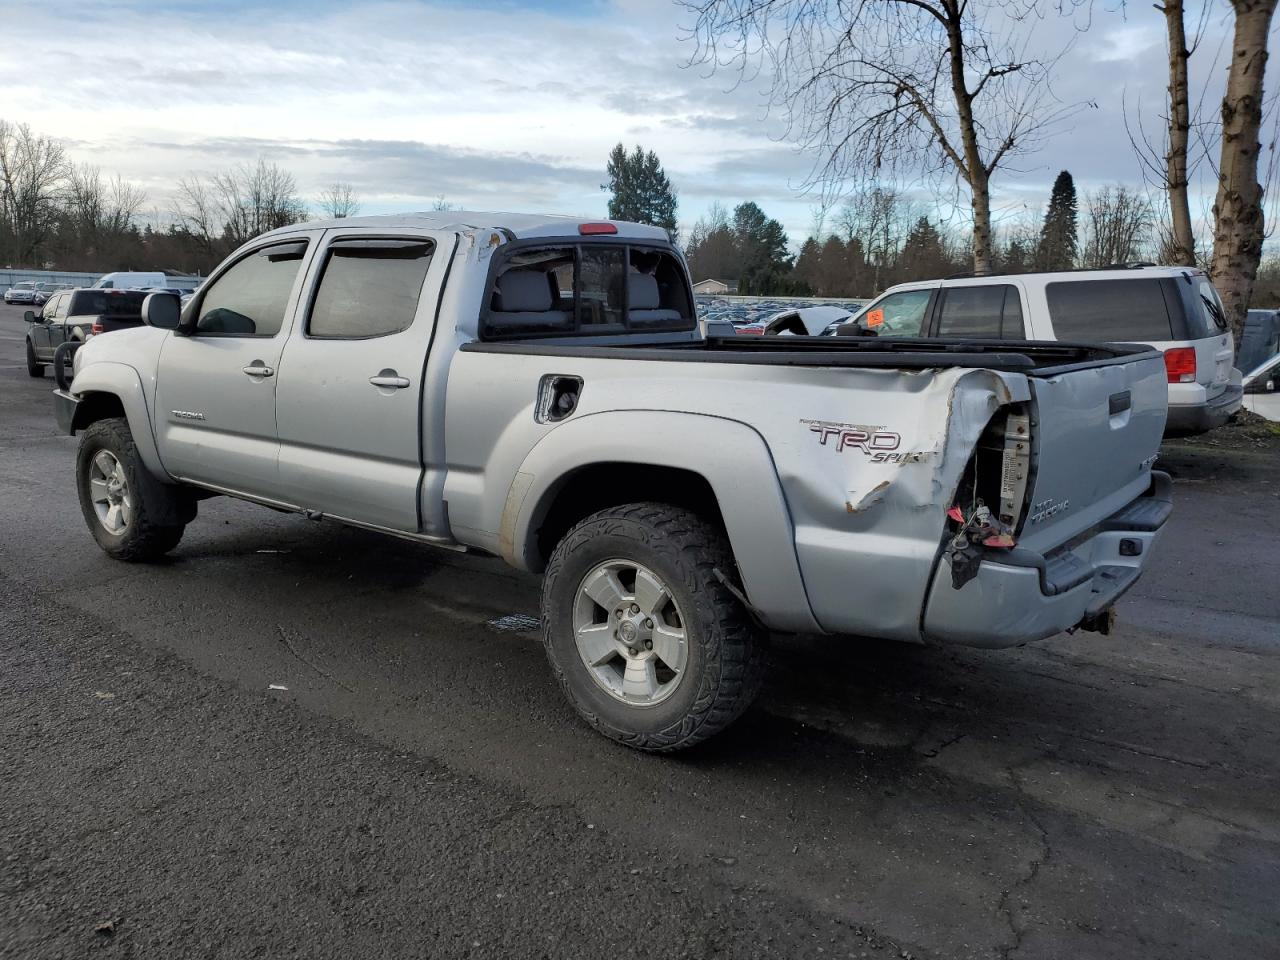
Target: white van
(131, 281)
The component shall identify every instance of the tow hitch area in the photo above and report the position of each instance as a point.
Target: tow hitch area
(1100, 622)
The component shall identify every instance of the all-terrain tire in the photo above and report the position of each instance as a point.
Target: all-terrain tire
(34, 367)
(159, 512)
(725, 648)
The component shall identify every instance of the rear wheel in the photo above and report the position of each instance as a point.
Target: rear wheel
(34, 367)
(649, 644)
(132, 515)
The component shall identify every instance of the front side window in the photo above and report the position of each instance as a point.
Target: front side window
(250, 297)
(898, 314)
(986, 312)
(369, 288)
(589, 288)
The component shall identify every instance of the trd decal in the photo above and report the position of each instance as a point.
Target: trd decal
(875, 442)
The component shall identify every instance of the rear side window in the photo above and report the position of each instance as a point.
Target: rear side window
(369, 288)
(586, 288)
(1111, 310)
(249, 299)
(1211, 309)
(988, 312)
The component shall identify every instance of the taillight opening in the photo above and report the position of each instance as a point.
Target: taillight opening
(1180, 364)
(97, 328)
(998, 475)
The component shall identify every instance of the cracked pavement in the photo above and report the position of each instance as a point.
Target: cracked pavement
(419, 788)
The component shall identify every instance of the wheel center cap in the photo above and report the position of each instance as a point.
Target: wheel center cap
(627, 632)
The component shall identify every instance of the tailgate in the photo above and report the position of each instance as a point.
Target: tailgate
(1096, 431)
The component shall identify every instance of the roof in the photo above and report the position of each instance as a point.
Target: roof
(522, 225)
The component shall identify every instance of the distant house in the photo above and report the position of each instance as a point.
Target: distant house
(710, 286)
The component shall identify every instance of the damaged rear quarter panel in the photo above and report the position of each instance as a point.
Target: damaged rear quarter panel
(870, 519)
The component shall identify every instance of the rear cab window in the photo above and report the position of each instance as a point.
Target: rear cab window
(586, 288)
(106, 303)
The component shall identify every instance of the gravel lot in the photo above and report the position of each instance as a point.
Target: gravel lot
(419, 789)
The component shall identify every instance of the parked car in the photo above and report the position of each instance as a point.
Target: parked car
(75, 316)
(1174, 309)
(819, 321)
(46, 290)
(539, 389)
(1259, 344)
(24, 291)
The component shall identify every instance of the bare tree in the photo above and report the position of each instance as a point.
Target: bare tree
(1118, 224)
(879, 219)
(99, 212)
(338, 201)
(231, 207)
(1237, 210)
(896, 86)
(32, 170)
(441, 205)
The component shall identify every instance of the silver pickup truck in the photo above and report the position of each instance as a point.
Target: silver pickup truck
(539, 389)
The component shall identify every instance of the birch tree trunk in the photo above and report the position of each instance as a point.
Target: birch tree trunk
(1237, 210)
(1183, 250)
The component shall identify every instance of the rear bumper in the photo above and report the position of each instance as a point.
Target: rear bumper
(1186, 419)
(1020, 596)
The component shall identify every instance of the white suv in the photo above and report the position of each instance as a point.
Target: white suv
(1174, 309)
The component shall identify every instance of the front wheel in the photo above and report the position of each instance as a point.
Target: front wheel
(34, 367)
(649, 644)
(131, 514)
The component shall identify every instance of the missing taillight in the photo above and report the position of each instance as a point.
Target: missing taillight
(1000, 469)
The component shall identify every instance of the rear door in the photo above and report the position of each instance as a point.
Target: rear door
(216, 388)
(349, 400)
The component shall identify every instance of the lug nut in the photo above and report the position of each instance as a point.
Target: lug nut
(648, 644)
(648, 624)
(618, 613)
(635, 608)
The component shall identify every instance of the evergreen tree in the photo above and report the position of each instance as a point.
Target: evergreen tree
(639, 189)
(923, 256)
(1058, 244)
(762, 247)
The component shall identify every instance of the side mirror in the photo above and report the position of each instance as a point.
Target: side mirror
(161, 310)
(30, 317)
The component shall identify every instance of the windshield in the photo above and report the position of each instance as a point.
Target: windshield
(107, 303)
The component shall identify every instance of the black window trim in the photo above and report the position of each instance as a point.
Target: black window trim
(197, 300)
(367, 242)
(507, 250)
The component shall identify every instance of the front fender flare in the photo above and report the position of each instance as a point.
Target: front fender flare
(121, 381)
(732, 457)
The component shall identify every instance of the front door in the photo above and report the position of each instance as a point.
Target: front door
(349, 399)
(42, 333)
(216, 388)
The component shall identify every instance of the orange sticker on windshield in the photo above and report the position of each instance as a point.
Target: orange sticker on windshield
(875, 318)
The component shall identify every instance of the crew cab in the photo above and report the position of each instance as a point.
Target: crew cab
(73, 316)
(539, 389)
(1174, 309)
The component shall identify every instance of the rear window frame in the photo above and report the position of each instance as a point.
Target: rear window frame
(578, 242)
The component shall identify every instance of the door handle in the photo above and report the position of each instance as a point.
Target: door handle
(389, 378)
(258, 369)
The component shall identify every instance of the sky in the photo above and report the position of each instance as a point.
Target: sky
(497, 105)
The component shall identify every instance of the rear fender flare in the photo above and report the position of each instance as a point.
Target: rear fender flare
(122, 382)
(732, 457)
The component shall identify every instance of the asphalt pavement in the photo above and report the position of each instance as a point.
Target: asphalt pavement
(293, 739)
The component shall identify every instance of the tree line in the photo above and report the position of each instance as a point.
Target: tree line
(57, 214)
